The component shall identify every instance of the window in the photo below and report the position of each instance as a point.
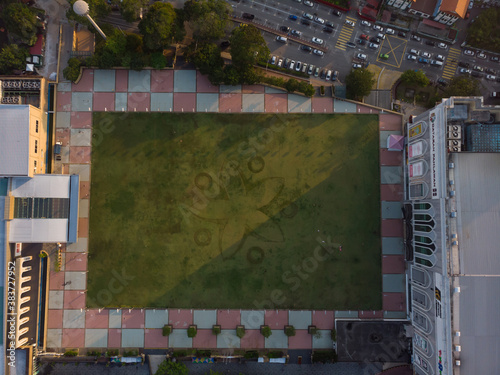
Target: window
(423, 239)
(422, 217)
(422, 206)
(34, 164)
(36, 126)
(36, 146)
(423, 262)
(423, 250)
(423, 228)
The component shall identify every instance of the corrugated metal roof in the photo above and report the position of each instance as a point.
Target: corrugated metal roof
(38, 230)
(14, 140)
(477, 183)
(43, 186)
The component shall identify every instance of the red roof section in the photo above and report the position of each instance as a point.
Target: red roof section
(369, 12)
(37, 48)
(434, 24)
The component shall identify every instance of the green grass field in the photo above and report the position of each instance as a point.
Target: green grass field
(231, 211)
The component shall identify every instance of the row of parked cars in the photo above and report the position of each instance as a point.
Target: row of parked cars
(298, 66)
(478, 71)
(425, 58)
(480, 55)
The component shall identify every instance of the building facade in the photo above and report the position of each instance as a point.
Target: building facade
(452, 161)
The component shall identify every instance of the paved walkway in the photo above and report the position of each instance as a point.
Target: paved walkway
(70, 325)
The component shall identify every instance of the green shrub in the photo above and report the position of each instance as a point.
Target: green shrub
(251, 354)
(167, 330)
(324, 356)
(333, 334)
(179, 353)
(322, 90)
(216, 330)
(313, 330)
(158, 61)
(192, 331)
(71, 353)
(72, 71)
(131, 353)
(290, 331)
(203, 353)
(266, 331)
(94, 353)
(112, 353)
(240, 331)
(274, 354)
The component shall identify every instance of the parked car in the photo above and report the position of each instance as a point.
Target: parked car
(361, 56)
(364, 36)
(373, 46)
(384, 56)
(378, 28)
(308, 3)
(336, 13)
(323, 74)
(415, 52)
(491, 77)
(495, 58)
(281, 39)
(319, 20)
(317, 40)
(477, 74)
(430, 43)
(390, 31)
(310, 70)
(481, 55)
(280, 63)
(361, 41)
(318, 52)
(463, 64)
(330, 24)
(308, 16)
(292, 65)
(416, 38)
(423, 61)
(375, 40)
(349, 23)
(316, 72)
(442, 45)
(248, 16)
(464, 71)
(328, 75)
(402, 34)
(292, 17)
(305, 22)
(478, 68)
(298, 66)
(327, 30)
(427, 55)
(287, 62)
(350, 45)
(442, 82)
(285, 29)
(468, 52)
(440, 57)
(296, 33)
(411, 57)
(306, 48)
(381, 36)
(273, 60)
(365, 23)
(357, 66)
(335, 75)
(490, 71)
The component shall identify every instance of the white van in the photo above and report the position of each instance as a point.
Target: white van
(281, 39)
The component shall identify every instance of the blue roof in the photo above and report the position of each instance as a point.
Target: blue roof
(73, 208)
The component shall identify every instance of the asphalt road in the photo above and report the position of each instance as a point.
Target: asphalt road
(338, 57)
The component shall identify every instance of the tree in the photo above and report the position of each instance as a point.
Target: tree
(12, 57)
(208, 60)
(412, 77)
(248, 47)
(171, 368)
(72, 71)
(483, 33)
(130, 9)
(21, 21)
(359, 83)
(291, 85)
(209, 19)
(157, 26)
(463, 86)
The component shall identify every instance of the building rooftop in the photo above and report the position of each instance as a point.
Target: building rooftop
(14, 140)
(455, 7)
(424, 6)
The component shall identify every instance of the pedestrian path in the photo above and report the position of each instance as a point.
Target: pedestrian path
(450, 66)
(345, 34)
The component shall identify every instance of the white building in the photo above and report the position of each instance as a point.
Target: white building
(452, 220)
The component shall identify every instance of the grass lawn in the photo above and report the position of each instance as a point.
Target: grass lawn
(229, 211)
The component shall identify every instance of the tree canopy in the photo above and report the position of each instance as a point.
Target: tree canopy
(158, 26)
(248, 47)
(463, 86)
(208, 60)
(21, 21)
(12, 57)
(209, 19)
(412, 77)
(130, 9)
(171, 368)
(484, 32)
(359, 83)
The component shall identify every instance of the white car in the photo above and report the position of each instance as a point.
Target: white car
(280, 63)
(411, 57)
(468, 52)
(310, 70)
(308, 3)
(318, 52)
(308, 16)
(415, 52)
(440, 57)
(365, 23)
(491, 77)
(373, 46)
(378, 28)
(464, 71)
(361, 56)
(481, 55)
(442, 45)
(350, 23)
(273, 60)
(319, 20)
(390, 31)
(381, 36)
(317, 40)
(328, 75)
(357, 66)
(426, 55)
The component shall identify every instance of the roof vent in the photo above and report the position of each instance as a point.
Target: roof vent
(456, 290)
(452, 193)
(454, 235)
(457, 362)
(454, 243)
(457, 333)
(452, 182)
(458, 348)
(453, 214)
(451, 165)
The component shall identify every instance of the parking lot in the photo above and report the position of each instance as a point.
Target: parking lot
(342, 43)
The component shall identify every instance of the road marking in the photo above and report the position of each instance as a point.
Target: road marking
(393, 51)
(450, 66)
(344, 36)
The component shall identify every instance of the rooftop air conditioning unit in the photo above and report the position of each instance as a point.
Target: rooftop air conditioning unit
(452, 193)
(458, 348)
(456, 290)
(454, 235)
(457, 362)
(453, 214)
(451, 165)
(454, 135)
(457, 333)
(452, 182)
(454, 243)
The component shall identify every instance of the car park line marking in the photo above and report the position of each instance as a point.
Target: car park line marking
(450, 67)
(393, 51)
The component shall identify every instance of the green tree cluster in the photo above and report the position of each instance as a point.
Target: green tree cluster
(97, 9)
(209, 19)
(158, 26)
(21, 21)
(359, 83)
(72, 71)
(171, 368)
(130, 9)
(485, 31)
(463, 86)
(412, 77)
(12, 57)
